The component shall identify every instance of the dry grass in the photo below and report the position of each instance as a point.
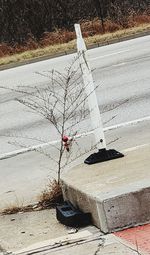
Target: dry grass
(50, 50)
(107, 37)
(63, 41)
(49, 198)
(13, 209)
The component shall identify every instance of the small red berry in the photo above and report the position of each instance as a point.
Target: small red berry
(65, 139)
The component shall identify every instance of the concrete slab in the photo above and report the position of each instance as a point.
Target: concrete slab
(105, 245)
(21, 230)
(86, 241)
(138, 236)
(23, 178)
(57, 242)
(117, 192)
(35, 230)
(40, 233)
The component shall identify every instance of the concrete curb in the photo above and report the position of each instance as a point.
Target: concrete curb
(116, 193)
(92, 46)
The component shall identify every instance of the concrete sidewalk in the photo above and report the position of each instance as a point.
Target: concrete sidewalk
(40, 233)
(123, 186)
(21, 230)
(116, 193)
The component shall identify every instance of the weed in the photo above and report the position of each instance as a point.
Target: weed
(13, 209)
(51, 196)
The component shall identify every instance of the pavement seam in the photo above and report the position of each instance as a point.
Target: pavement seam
(59, 245)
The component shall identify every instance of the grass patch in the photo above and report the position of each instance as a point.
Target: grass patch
(49, 198)
(52, 50)
(117, 35)
(39, 52)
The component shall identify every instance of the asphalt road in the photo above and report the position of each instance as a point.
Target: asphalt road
(121, 70)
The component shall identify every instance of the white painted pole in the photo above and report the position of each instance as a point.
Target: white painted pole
(89, 89)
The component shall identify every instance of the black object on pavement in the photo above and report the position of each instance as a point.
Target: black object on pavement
(68, 215)
(103, 155)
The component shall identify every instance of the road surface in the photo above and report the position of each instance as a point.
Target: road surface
(121, 70)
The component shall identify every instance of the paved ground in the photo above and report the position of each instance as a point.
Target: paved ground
(20, 230)
(23, 177)
(121, 69)
(40, 233)
(138, 236)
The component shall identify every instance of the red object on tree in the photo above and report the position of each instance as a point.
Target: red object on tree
(65, 139)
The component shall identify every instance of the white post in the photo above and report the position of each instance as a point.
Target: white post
(89, 89)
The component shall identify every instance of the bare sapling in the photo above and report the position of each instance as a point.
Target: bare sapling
(62, 103)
